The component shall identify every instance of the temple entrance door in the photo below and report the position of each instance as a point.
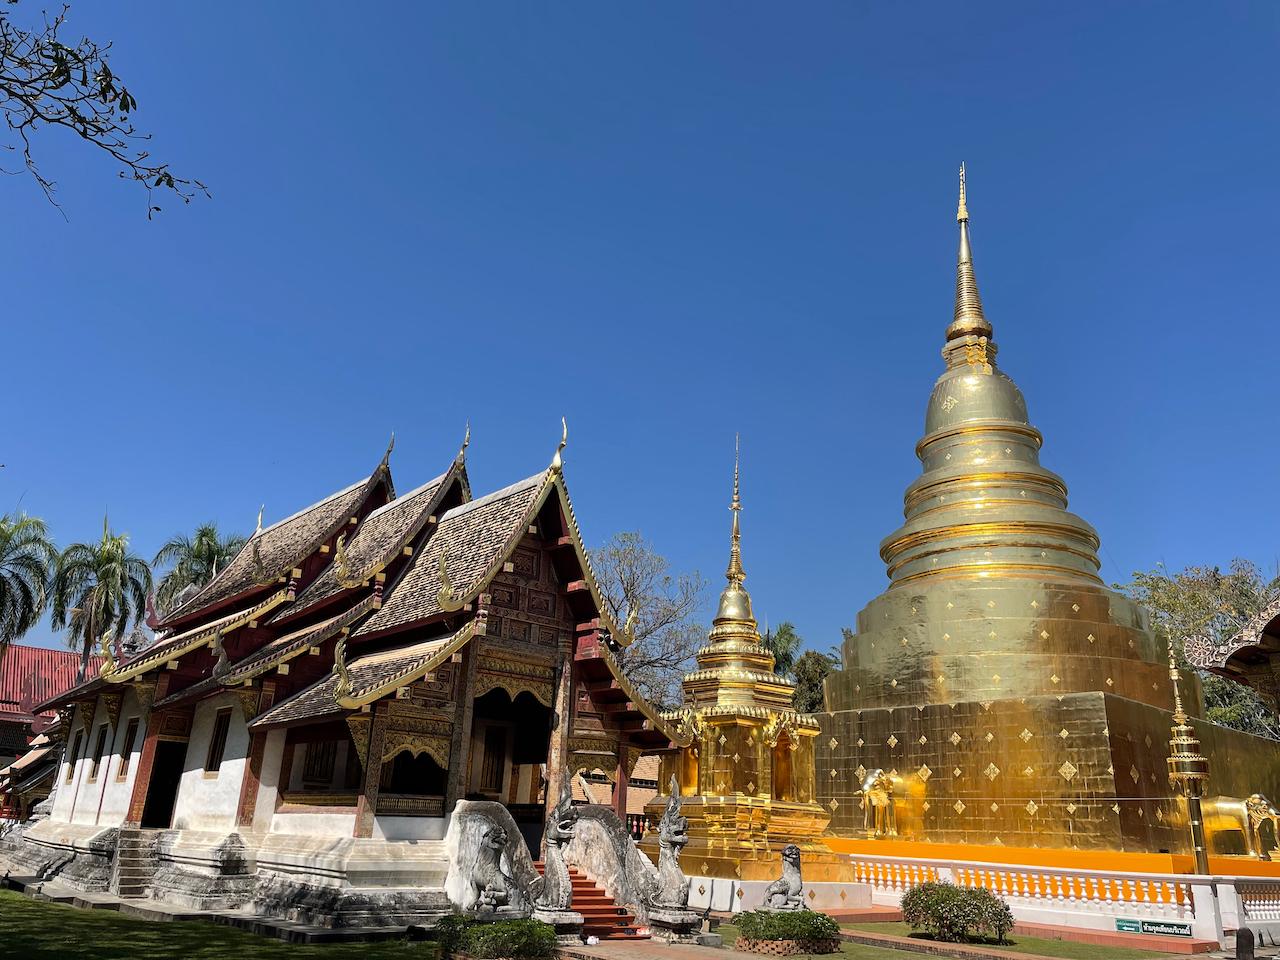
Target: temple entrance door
(162, 791)
(510, 741)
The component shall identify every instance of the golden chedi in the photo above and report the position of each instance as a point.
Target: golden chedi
(1005, 695)
(747, 775)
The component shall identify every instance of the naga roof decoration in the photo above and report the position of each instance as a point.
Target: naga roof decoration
(273, 551)
(206, 634)
(379, 539)
(369, 678)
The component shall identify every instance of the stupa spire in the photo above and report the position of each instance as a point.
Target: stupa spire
(735, 574)
(969, 319)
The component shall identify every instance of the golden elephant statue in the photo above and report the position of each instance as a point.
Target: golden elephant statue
(1233, 824)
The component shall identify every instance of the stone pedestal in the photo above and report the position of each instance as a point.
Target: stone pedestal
(567, 923)
(493, 916)
(676, 925)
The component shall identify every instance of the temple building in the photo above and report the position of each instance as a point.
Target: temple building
(999, 690)
(303, 725)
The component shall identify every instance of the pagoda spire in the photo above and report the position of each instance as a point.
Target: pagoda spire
(735, 574)
(735, 603)
(969, 319)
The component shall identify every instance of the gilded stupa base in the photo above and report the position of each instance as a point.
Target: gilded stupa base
(740, 837)
(1085, 771)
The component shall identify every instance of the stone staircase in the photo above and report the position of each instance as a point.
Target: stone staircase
(601, 915)
(134, 864)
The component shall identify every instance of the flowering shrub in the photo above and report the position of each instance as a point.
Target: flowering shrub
(955, 914)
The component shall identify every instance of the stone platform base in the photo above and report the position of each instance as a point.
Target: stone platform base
(79, 856)
(675, 926)
(734, 896)
(567, 923)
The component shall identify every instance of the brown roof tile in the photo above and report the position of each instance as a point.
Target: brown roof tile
(279, 547)
(472, 536)
(367, 672)
(378, 539)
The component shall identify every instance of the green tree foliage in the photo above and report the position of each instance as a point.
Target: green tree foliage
(48, 80)
(98, 588)
(1205, 601)
(27, 558)
(784, 643)
(811, 669)
(639, 588)
(194, 560)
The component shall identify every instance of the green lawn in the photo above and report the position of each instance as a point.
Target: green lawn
(1035, 945)
(35, 930)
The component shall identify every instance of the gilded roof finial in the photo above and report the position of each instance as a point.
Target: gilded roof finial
(385, 462)
(258, 528)
(969, 319)
(735, 573)
(557, 462)
(466, 442)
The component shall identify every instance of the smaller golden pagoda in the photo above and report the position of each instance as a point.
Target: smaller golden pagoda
(747, 775)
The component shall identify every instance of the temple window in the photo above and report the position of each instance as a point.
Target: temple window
(126, 748)
(412, 775)
(324, 761)
(218, 741)
(74, 755)
(319, 762)
(97, 753)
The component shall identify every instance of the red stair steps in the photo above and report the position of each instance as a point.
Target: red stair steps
(601, 915)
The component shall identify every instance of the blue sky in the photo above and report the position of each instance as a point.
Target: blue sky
(667, 222)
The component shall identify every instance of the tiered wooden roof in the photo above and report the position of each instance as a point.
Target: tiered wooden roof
(401, 580)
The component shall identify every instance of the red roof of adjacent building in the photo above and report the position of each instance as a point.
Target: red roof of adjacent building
(32, 675)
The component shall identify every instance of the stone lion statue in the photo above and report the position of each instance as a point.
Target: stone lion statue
(784, 893)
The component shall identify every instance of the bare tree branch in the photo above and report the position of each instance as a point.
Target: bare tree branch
(45, 82)
(633, 576)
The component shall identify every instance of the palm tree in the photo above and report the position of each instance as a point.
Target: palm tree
(27, 558)
(97, 589)
(784, 643)
(195, 560)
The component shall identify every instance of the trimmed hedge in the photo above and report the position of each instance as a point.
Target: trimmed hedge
(956, 914)
(500, 940)
(786, 925)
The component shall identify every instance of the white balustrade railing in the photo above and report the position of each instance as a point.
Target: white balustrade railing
(1089, 898)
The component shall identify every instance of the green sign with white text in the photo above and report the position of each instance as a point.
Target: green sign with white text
(1163, 928)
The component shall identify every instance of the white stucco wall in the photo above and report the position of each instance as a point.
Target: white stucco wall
(269, 781)
(117, 792)
(65, 797)
(88, 794)
(208, 801)
(321, 824)
(410, 828)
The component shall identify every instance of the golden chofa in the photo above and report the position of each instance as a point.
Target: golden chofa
(994, 589)
(747, 775)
